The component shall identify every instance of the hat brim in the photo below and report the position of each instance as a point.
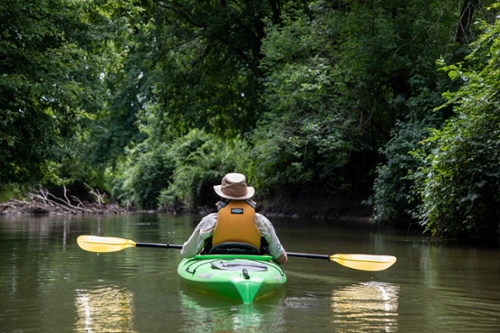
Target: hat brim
(250, 193)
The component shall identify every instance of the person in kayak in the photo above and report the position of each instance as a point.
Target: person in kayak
(236, 226)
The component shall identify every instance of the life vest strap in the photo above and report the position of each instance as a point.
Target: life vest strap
(223, 203)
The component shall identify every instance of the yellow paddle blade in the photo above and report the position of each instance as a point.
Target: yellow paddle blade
(103, 244)
(364, 262)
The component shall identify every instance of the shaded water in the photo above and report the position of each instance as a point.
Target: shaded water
(48, 284)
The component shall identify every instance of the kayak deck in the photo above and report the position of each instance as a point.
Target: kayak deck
(240, 277)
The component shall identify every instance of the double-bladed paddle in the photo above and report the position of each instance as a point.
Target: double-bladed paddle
(363, 262)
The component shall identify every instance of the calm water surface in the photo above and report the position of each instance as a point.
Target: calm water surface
(48, 284)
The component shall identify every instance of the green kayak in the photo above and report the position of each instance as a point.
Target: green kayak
(240, 277)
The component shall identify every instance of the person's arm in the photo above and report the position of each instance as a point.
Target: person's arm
(267, 231)
(196, 241)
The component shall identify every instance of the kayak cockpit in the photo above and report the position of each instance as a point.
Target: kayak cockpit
(240, 277)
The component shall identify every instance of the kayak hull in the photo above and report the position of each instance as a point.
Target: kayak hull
(244, 278)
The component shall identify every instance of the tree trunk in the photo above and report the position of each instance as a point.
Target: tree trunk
(463, 30)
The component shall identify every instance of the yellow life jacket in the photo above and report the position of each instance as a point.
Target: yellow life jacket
(236, 223)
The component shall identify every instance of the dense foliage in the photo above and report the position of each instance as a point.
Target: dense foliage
(459, 182)
(154, 100)
(51, 58)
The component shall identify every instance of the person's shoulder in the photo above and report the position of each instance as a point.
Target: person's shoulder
(209, 217)
(262, 218)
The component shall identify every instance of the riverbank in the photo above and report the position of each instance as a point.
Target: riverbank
(299, 203)
(43, 202)
(318, 204)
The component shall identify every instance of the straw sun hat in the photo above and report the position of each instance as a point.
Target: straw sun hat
(234, 186)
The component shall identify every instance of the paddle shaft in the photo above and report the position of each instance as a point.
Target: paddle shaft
(290, 254)
(308, 255)
(164, 246)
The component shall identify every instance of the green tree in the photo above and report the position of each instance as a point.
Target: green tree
(435, 36)
(128, 82)
(191, 66)
(338, 77)
(206, 66)
(459, 183)
(304, 134)
(316, 86)
(50, 85)
(180, 174)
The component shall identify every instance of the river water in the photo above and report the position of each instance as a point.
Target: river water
(48, 284)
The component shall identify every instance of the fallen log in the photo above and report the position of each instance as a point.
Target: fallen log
(43, 202)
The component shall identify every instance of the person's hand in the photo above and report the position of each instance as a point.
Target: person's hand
(281, 260)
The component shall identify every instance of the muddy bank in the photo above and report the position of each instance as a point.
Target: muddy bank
(316, 204)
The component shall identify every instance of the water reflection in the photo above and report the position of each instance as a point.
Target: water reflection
(366, 307)
(105, 309)
(209, 314)
(48, 284)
